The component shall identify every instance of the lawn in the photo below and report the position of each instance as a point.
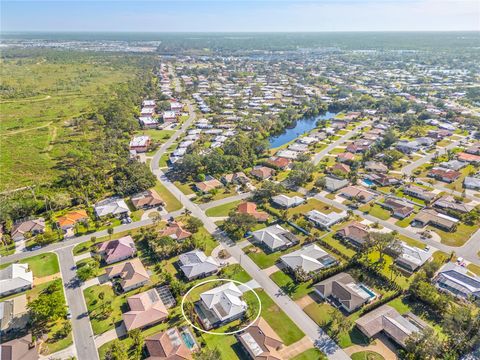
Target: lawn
(376, 210)
(100, 324)
(320, 313)
(313, 204)
(406, 221)
(222, 210)
(310, 354)
(367, 355)
(42, 265)
(285, 328)
(172, 203)
(289, 286)
(457, 237)
(264, 260)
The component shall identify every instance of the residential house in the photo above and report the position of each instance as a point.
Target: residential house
(15, 278)
(279, 162)
(310, 258)
(344, 292)
(468, 157)
(117, 250)
(443, 174)
(113, 206)
(357, 192)
(19, 349)
(175, 231)
(14, 314)
(208, 185)
(169, 116)
(195, 264)
(250, 208)
(333, 184)
(376, 167)
(147, 199)
(167, 345)
(399, 208)
(387, 320)
(471, 182)
(260, 341)
(431, 217)
(275, 237)
(411, 257)
(346, 157)
(132, 274)
(457, 280)
(287, 202)
(146, 309)
(324, 221)
(236, 178)
(262, 172)
(339, 168)
(355, 232)
(69, 220)
(34, 227)
(140, 144)
(220, 305)
(419, 193)
(448, 203)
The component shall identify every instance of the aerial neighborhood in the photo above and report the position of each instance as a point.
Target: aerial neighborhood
(257, 205)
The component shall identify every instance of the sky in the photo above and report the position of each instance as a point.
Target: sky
(240, 15)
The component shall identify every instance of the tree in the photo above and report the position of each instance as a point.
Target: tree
(380, 242)
(423, 345)
(207, 354)
(193, 224)
(238, 224)
(117, 351)
(138, 341)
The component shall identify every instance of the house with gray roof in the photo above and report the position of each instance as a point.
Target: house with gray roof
(411, 257)
(287, 202)
(275, 237)
(388, 321)
(195, 264)
(456, 280)
(344, 291)
(15, 278)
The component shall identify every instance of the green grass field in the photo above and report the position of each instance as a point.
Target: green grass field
(36, 125)
(222, 210)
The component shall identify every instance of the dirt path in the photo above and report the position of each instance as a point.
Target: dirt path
(45, 279)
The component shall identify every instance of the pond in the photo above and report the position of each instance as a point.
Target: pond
(302, 126)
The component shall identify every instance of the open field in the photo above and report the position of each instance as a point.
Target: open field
(39, 100)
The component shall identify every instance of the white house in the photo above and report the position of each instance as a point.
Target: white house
(15, 278)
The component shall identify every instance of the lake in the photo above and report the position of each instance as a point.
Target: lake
(302, 126)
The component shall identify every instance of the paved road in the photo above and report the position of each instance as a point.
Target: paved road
(427, 158)
(227, 200)
(318, 156)
(308, 326)
(164, 147)
(82, 329)
(80, 239)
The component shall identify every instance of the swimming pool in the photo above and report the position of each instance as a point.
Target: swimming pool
(188, 340)
(368, 291)
(367, 182)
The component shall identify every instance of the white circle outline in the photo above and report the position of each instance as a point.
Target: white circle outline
(224, 333)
